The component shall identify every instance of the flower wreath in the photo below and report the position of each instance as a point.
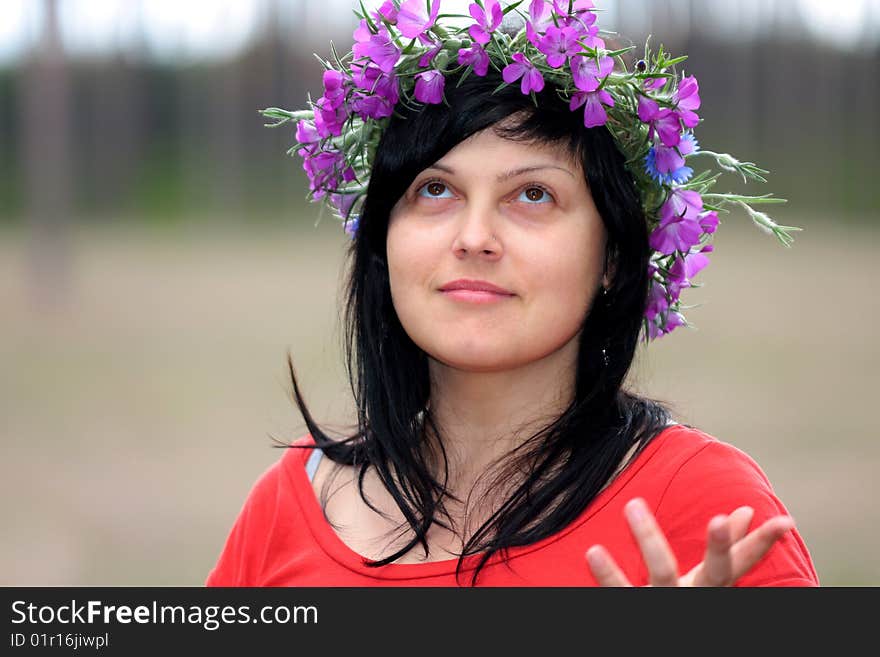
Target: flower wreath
(649, 110)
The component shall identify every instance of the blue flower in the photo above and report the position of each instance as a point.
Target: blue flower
(666, 165)
(351, 225)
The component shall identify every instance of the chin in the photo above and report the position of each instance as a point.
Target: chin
(474, 358)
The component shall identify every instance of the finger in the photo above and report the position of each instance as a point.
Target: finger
(661, 563)
(717, 567)
(740, 519)
(604, 569)
(751, 549)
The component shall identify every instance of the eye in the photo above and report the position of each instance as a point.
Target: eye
(535, 195)
(433, 187)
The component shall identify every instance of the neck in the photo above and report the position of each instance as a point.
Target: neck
(484, 415)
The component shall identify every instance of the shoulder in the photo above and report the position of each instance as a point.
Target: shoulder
(279, 475)
(700, 476)
(259, 519)
(688, 455)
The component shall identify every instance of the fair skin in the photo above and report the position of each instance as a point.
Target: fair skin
(499, 369)
(496, 367)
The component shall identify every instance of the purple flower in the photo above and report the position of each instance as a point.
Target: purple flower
(329, 120)
(388, 12)
(580, 13)
(334, 88)
(429, 87)
(675, 232)
(426, 59)
(709, 223)
(362, 32)
(486, 22)
(371, 106)
(586, 72)
(533, 36)
(379, 48)
(686, 202)
(343, 202)
(538, 12)
(594, 111)
(652, 84)
(476, 56)
(324, 169)
(532, 80)
(413, 19)
(684, 268)
(664, 323)
(370, 78)
(306, 133)
(378, 93)
(589, 37)
(559, 43)
(664, 121)
(657, 300)
(687, 99)
(666, 164)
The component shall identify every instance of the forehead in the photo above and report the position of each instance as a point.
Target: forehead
(487, 151)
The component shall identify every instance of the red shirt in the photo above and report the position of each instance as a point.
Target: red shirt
(685, 475)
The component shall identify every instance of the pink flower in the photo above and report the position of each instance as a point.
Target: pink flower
(476, 56)
(377, 47)
(429, 87)
(708, 222)
(559, 43)
(664, 323)
(306, 133)
(488, 20)
(388, 12)
(593, 101)
(580, 17)
(413, 19)
(586, 72)
(686, 202)
(426, 59)
(676, 232)
(664, 121)
(334, 88)
(687, 99)
(685, 268)
(532, 80)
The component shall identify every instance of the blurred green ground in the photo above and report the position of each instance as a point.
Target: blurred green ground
(134, 422)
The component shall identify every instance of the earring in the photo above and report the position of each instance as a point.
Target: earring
(605, 359)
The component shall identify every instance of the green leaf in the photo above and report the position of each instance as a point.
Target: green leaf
(499, 88)
(510, 8)
(368, 18)
(464, 75)
(615, 53)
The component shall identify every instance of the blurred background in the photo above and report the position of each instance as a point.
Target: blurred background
(158, 260)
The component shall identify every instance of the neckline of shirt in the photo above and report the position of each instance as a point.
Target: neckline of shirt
(334, 547)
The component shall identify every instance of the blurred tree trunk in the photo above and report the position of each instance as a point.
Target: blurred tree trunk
(225, 138)
(117, 131)
(46, 154)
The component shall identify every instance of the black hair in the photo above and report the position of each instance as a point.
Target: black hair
(558, 471)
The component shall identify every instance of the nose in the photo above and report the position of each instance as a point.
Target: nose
(476, 234)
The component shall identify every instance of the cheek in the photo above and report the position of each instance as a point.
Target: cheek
(409, 265)
(567, 279)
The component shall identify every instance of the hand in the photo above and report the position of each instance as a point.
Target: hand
(730, 551)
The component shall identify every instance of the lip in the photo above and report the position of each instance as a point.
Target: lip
(471, 285)
(474, 291)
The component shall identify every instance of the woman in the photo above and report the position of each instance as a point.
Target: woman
(499, 282)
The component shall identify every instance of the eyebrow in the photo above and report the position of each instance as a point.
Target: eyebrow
(513, 173)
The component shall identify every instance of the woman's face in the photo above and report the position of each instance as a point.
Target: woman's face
(477, 214)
